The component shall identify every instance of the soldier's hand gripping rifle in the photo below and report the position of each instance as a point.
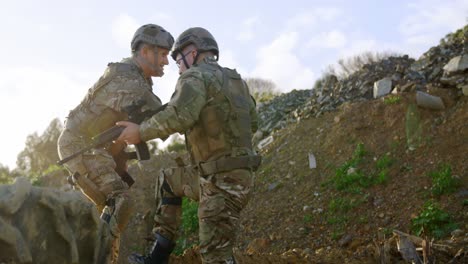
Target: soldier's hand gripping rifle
(136, 116)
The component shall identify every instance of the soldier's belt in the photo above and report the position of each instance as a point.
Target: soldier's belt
(230, 163)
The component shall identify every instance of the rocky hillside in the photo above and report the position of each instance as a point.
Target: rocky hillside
(347, 167)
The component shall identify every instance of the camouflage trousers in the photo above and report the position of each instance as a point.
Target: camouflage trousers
(99, 181)
(221, 199)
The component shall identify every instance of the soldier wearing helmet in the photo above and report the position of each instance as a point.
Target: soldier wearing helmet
(101, 173)
(212, 106)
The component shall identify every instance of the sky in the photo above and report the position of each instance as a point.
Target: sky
(52, 52)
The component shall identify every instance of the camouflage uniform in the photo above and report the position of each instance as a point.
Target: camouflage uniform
(214, 109)
(121, 85)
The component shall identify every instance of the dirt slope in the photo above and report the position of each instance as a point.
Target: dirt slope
(297, 216)
(291, 202)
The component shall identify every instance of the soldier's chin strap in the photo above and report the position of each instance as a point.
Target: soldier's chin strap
(184, 60)
(194, 59)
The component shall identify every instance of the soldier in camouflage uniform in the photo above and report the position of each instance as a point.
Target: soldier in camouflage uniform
(213, 107)
(99, 172)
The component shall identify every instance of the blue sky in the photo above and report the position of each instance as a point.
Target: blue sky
(53, 51)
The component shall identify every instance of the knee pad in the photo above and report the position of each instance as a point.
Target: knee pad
(124, 207)
(91, 190)
(117, 213)
(163, 191)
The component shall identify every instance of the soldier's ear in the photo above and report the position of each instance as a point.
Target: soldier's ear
(144, 50)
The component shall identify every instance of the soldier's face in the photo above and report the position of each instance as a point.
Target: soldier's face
(159, 61)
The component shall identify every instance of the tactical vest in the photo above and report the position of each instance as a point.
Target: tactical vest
(224, 126)
(88, 118)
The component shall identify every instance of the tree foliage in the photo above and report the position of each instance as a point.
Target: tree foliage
(177, 144)
(262, 90)
(40, 151)
(6, 175)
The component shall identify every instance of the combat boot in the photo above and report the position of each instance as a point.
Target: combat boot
(159, 254)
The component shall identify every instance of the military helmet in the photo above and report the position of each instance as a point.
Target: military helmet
(154, 35)
(200, 37)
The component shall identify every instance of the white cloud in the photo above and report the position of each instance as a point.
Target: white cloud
(332, 39)
(247, 31)
(432, 20)
(123, 28)
(31, 103)
(313, 17)
(167, 21)
(278, 62)
(228, 59)
(45, 28)
(360, 46)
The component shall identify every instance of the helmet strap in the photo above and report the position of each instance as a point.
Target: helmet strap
(185, 61)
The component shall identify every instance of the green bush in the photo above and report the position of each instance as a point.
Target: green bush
(382, 165)
(348, 177)
(392, 99)
(176, 147)
(189, 228)
(340, 204)
(433, 221)
(442, 180)
(6, 176)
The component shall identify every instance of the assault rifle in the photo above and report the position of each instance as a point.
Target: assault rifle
(135, 115)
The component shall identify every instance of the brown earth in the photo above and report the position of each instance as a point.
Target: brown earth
(291, 217)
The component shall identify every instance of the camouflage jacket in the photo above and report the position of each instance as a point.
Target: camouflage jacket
(196, 91)
(121, 85)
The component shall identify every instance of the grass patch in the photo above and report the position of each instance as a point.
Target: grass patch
(382, 166)
(433, 221)
(348, 177)
(337, 234)
(189, 227)
(340, 205)
(442, 180)
(392, 99)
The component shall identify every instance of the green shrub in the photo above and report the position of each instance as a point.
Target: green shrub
(384, 162)
(189, 227)
(382, 165)
(433, 221)
(392, 99)
(340, 205)
(348, 177)
(442, 180)
(176, 147)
